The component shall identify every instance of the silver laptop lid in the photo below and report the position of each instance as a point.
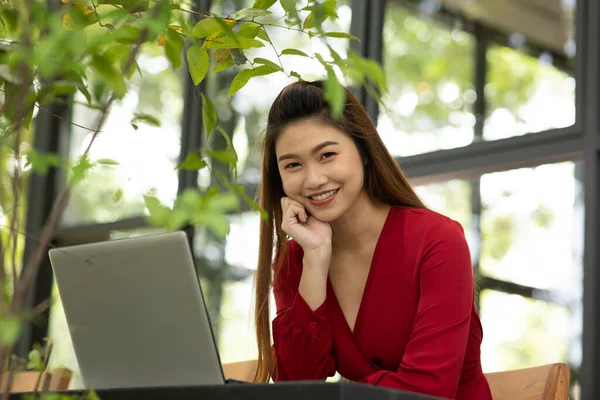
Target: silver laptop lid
(136, 313)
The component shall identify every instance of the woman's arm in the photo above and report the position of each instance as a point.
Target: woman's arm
(301, 331)
(433, 359)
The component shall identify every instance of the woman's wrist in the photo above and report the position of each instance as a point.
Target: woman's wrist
(317, 261)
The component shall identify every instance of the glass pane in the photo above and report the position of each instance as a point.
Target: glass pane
(525, 94)
(532, 234)
(451, 198)
(521, 333)
(228, 284)
(147, 156)
(429, 66)
(532, 228)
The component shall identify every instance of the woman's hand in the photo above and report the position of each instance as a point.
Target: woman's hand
(312, 235)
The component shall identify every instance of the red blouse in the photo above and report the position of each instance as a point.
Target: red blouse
(417, 328)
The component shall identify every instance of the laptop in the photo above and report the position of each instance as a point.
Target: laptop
(136, 313)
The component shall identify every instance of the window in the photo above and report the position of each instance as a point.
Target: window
(147, 156)
(527, 244)
(429, 66)
(532, 235)
(525, 94)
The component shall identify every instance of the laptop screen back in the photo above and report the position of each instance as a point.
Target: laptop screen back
(136, 313)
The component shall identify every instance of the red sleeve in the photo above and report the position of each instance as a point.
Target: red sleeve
(433, 359)
(302, 338)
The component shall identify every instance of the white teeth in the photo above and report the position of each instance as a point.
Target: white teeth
(324, 195)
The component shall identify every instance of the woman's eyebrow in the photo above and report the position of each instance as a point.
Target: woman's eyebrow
(316, 149)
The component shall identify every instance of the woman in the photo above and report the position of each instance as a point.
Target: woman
(371, 283)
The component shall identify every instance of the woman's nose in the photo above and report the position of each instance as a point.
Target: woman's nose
(315, 178)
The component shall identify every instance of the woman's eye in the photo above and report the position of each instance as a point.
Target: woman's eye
(292, 165)
(327, 155)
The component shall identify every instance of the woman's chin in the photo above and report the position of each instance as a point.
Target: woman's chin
(325, 215)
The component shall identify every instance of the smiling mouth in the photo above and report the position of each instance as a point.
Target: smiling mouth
(324, 196)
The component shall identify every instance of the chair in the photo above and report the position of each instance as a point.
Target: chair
(546, 382)
(26, 381)
(240, 371)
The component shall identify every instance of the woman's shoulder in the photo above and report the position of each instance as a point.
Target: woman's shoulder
(426, 222)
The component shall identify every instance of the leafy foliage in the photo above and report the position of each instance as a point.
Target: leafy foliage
(89, 49)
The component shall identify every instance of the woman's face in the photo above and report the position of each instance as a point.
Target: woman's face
(320, 167)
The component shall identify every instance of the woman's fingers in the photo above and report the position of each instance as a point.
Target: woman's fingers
(293, 213)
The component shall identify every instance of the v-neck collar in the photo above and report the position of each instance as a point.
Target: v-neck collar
(370, 275)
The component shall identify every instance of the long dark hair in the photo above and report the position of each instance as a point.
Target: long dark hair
(384, 183)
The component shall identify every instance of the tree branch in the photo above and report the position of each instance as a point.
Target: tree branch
(64, 119)
(193, 12)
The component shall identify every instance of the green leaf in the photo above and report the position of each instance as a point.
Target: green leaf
(222, 202)
(238, 56)
(41, 162)
(249, 30)
(293, 52)
(9, 330)
(244, 76)
(330, 9)
(197, 63)
(159, 215)
(91, 395)
(289, 6)
(80, 169)
(113, 78)
(341, 35)
(263, 4)
(237, 42)
(64, 88)
(250, 13)
(117, 195)
(174, 47)
(239, 189)
(107, 161)
(270, 63)
(225, 136)
(335, 95)
(34, 360)
(85, 92)
(262, 34)
(192, 162)
(335, 55)
(226, 26)
(297, 75)
(373, 70)
(227, 156)
(145, 118)
(217, 224)
(209, 115)
(128, 34)
(224, 65)
(132, 68)
(98, 90)
(221, 55)
(206, 27)
(321, 60)
(309, 22)
(10, 16)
